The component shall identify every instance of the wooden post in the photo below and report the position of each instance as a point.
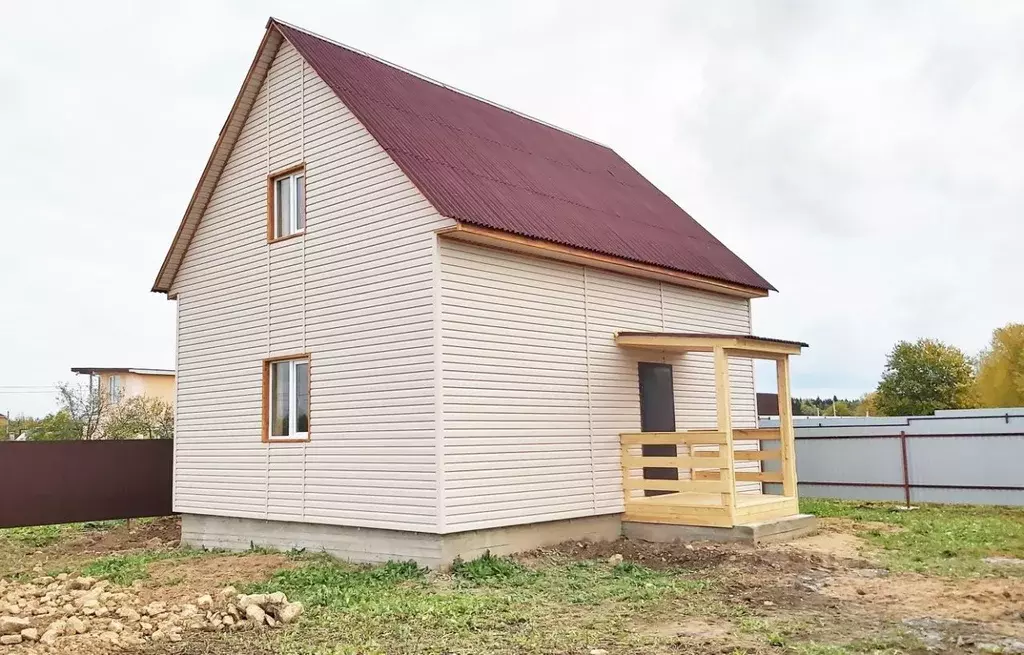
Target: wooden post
(787, 444)
(624, 455)
(906, 467)
(724, 411)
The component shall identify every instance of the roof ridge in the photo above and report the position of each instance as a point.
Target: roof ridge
(431, 80)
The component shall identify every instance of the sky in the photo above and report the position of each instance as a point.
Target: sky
(865, 157)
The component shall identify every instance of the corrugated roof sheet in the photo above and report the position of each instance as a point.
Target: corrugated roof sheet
(488, 166)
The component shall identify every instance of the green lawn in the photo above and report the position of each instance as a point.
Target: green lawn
(487, 605)
(947, 540)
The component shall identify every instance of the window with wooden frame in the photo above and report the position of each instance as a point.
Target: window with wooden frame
(286, 203)
(286, 398)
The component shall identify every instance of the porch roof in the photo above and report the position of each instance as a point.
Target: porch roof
(744, 345)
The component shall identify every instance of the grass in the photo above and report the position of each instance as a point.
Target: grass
(949, 540)
(487, 605)
(45, 535)
(126, 568)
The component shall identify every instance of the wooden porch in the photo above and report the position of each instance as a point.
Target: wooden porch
(703, 490)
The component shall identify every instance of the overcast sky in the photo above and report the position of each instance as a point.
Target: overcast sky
(866, 158)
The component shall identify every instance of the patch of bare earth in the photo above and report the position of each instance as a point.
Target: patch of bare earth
(69, 553)
(824, 588)
(175, 580)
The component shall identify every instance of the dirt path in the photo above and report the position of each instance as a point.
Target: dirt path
(830, 589)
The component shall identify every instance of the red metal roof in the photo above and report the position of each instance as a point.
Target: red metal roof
(489, 166)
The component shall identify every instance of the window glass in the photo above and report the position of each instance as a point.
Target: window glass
(288, 396)
(114, 386)
(300, 203)
(283, 209)
(280, 385)
(302, 397)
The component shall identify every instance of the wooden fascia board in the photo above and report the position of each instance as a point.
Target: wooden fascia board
(537, 247)
(215, 165)
(734, 346)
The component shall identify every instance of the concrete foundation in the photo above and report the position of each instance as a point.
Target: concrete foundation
(437, 550)
(376, 545)
(761, 532)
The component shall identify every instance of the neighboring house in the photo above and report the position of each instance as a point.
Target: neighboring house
(122, 383)
(415, 324)
(768, 405)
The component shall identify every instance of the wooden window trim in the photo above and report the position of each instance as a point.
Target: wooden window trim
(265, 405)
(271, 178)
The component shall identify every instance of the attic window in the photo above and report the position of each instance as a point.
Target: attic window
(287, 203)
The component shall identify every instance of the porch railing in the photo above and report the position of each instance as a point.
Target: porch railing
(707, 467)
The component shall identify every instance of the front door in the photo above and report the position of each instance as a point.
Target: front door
(657, 414)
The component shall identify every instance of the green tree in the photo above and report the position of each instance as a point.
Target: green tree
(924, 376)
(868, 405)
(58, 426)
(140, 417)
(87, 408)
(17, 425)
(807, 408)
(1001, 368)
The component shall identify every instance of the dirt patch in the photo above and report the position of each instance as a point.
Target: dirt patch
(701, 556)
(70, 552)
(822, 589)
(983, 599)
(700, 629)
(652, 555)
(837, 524)
(184, 579)
(142, 535)
(833, 544)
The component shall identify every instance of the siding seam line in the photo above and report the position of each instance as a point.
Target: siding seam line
(590, 405)
(305, 183)
(661, 301)
(266, 472)
(439, 445)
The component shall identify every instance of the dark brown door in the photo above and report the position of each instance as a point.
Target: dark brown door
(657, 414)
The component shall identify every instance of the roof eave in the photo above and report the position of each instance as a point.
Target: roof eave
(463, 231)
(226, 139)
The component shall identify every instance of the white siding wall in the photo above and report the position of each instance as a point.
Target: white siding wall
(356, 292)
(535, 391)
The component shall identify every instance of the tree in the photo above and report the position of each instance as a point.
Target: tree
(58, 426)
(868, 405)
(86, 408)
(140, 417)
(1001, 368)
(924, 376)
(807, 408)
(16, 426)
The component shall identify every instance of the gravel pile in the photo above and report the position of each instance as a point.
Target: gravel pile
(67, 612)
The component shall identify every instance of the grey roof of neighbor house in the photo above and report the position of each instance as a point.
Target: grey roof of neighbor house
(113, 369)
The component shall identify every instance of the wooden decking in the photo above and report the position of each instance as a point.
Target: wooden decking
(706, 509)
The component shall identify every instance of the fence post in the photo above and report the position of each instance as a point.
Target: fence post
(906, 467)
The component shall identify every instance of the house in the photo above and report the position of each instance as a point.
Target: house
(415, 324)
(122, 383)
(768, 405)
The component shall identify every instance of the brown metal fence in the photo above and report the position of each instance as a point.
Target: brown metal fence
(43, 483)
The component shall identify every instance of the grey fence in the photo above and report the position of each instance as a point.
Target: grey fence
(956, 456)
